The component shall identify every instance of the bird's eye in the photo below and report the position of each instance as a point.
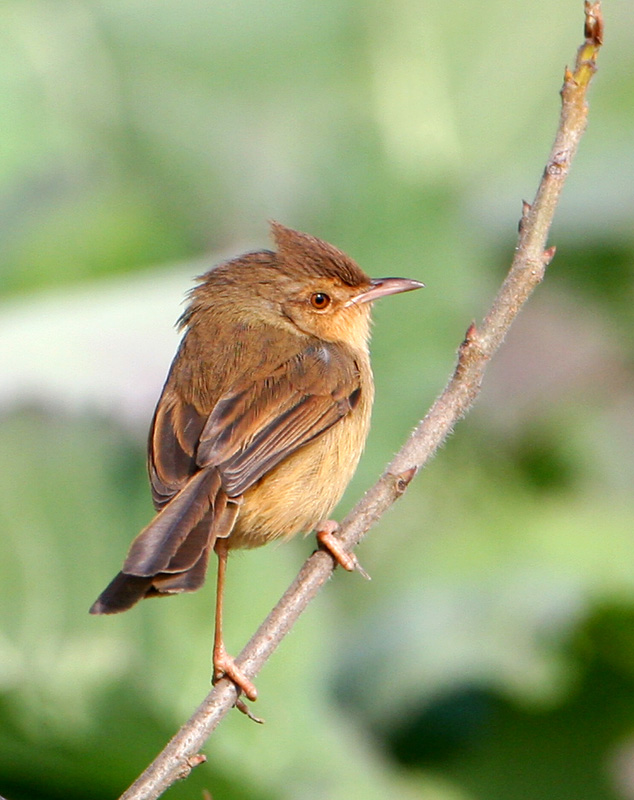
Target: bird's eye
(319, 301)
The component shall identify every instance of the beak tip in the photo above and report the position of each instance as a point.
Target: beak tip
(381, 287)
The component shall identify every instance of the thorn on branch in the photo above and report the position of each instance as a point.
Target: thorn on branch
(403, 480)
(470, 335)
(188, 765)
(569, 79)
(526, 210)
(470, 341)
(558, 164)
(469, 351)
(548, 255)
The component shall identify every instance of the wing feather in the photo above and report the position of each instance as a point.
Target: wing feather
(249, 433)
(173, 439)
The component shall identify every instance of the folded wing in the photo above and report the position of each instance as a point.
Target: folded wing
(200, 464)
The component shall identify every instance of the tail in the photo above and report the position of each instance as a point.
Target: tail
(171, 554)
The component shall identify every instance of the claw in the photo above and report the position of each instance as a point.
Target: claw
(244, 708)
(327, 538)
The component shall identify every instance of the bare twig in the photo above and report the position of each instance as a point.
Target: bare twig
(527, 270)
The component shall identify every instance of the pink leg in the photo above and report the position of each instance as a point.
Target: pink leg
(224, 665)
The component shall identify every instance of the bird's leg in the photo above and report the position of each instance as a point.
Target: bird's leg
(326, 533)
(224, 665)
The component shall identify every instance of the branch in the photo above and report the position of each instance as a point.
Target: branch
(480, 344)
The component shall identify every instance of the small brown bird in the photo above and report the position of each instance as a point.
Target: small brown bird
(261, 421)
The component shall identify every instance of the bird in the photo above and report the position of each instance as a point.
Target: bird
(261, 422)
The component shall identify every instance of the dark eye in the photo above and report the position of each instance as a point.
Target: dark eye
(319, 300)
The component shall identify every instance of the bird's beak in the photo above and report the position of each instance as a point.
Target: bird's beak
(380, 287)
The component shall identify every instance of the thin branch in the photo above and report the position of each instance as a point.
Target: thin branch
(480, 344)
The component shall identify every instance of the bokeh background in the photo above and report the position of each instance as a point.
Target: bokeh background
(492, 655)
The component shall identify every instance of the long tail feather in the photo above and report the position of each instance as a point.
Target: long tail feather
(171, 554)
(156, 545)
(122, 593)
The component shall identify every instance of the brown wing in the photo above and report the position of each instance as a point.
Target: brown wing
(251, 431)
(199, 466)
(173, 439)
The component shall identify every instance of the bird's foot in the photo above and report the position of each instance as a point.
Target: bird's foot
(226, 667)
(326, 533)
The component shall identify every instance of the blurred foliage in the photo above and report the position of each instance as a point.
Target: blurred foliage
(492, 655)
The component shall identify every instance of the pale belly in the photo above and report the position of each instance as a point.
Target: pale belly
(303, 490)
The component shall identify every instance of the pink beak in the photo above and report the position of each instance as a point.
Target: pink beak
(381, 287)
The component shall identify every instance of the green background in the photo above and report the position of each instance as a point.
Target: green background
(492, 655)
